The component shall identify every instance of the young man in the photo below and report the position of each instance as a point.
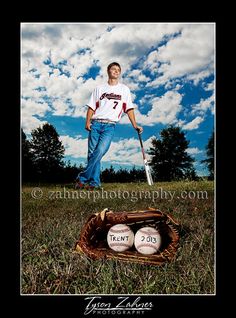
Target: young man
(106, 105)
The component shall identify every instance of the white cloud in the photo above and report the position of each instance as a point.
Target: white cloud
(127, 151)
(60, 86)
(190, 53)
(76, 148)
(194, 151)
(197, 77)
(137, 76)
(204, 105)
(28, 109)
(210, 86)
(29, 123)
(127, 42)
(194, 124)
(60, 107)
(59, 41)
(164, 110)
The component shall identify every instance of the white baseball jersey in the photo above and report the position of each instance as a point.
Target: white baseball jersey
(110, 101)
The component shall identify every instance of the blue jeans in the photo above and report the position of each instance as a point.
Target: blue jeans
(99, 141)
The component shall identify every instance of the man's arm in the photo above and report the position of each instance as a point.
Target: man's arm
(131, 116)
(89, 115)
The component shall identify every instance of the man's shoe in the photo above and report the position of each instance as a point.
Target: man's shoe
(79, 185)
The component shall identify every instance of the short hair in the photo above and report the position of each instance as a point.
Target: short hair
(112, 64)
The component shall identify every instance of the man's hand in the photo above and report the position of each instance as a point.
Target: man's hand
(131, 115)
(88, 126)
(139, 129)
(89, 115)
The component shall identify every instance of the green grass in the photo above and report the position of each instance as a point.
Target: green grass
(51, 225)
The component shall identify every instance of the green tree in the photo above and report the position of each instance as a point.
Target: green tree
(48, 153)
(137, 175)
(170, 160)
(210, 156)
(71, 172)
(26, 159)
(122, 175)
(108, 175)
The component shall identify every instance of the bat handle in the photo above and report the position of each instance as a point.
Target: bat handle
(140, 139)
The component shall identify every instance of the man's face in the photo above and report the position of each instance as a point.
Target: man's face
(114, 72)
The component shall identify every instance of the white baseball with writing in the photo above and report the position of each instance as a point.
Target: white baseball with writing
(120, 237)
(147, 240)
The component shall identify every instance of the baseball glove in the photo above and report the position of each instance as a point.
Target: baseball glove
(93, 236)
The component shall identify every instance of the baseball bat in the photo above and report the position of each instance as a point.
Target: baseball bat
(146, 165)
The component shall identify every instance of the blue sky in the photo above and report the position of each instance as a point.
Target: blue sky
(169, 68)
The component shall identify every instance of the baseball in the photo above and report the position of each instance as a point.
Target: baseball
(120, 237)
(147, 240)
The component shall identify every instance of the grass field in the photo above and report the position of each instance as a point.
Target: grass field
(51, 220)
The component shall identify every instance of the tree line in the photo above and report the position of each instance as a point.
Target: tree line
(43, 159)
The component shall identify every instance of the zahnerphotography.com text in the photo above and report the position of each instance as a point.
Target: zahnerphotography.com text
(133, 196)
